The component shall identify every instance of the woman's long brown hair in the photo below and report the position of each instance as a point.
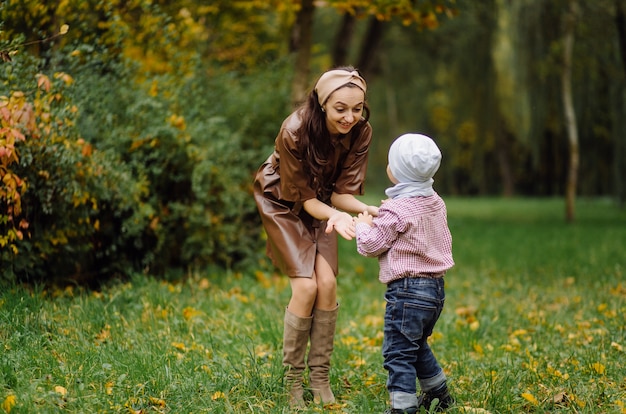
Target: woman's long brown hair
(315, 142)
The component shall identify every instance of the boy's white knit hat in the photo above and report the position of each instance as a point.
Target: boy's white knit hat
(414, 158)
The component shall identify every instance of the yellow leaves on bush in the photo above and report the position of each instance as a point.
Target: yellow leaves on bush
(177, 121)
(43, 82)
(15, 114)
(67, 79)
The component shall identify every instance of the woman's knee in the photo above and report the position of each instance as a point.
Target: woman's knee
(327, 283)
(304, 287)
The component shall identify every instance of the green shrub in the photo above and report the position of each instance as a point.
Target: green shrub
(198, 142)
(124, 175)
(72, 193)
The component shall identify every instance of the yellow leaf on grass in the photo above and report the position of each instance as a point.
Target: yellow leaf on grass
(217, 395)
(9, 402)
(349, 340)
(598, 367)
(479, 349)
(204, 284)
(189, 313)
(157, 402)
(60, 390)
(530, 398)
(560, 398)
(103, 335)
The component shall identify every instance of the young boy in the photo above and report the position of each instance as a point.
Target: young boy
(413, 244)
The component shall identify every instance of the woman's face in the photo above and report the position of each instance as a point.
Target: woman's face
(344, 108)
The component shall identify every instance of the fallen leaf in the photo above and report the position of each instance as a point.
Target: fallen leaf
(9, 402)
(560, 399)
(530, 398)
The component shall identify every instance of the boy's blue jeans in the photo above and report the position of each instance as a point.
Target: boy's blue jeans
(413, 308)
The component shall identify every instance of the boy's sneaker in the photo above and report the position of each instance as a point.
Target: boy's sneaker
(412, 410)
(444, 398)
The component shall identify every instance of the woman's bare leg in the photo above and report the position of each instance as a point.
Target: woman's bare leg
(326, 298)
(303, 294)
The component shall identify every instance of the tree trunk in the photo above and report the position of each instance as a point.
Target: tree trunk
(370, 46)
(620, 141)
(300, 43)
(570, 114)
(343, 40)
(503, 149)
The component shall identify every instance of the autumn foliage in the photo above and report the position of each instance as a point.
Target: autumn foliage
(14, 112)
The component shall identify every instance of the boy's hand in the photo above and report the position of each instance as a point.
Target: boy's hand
(364, 217)
(373, 210)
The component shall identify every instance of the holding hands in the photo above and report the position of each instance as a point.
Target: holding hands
(343, 223)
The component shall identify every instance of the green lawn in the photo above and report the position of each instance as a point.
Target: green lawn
(534, 322)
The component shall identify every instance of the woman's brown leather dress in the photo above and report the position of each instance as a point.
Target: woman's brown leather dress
(281, 186)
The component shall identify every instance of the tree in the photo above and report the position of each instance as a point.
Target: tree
(421, 13)
(620, 137)
(301, 44)
(569, 112)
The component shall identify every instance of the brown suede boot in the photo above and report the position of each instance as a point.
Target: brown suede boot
(322, 341)
(295, 339)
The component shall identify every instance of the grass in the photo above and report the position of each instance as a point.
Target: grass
(534, 322)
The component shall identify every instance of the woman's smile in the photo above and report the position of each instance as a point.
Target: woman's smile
(344, 109)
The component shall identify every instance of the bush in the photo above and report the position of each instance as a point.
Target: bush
(70, 193)
(120, 176)
(198, 141)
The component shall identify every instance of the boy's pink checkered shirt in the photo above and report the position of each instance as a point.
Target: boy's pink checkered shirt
(410, 237)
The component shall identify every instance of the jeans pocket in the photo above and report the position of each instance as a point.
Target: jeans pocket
(418, 320)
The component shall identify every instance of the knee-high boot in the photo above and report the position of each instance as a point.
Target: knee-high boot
(295, 339)
(322, 341)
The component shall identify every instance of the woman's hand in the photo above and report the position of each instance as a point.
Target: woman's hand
(343, 223)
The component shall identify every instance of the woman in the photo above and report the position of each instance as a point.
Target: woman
(305, 192)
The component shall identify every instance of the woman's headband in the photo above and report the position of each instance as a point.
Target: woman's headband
(332, 80)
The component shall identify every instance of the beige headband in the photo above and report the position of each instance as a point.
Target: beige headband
(332, 80)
